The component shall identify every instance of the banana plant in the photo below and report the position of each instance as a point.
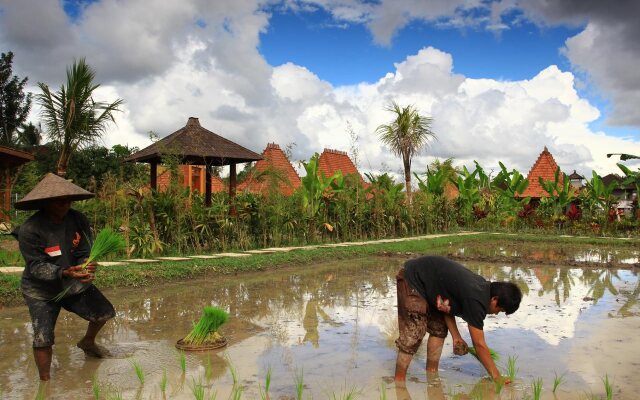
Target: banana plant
(510, 186)
(313, 186)
(560, 191)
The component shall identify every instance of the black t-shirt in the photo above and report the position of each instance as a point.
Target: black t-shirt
(48, 248)
(450, 287)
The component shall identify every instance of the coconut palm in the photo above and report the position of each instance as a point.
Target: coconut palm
(71, 117)
(405, 136)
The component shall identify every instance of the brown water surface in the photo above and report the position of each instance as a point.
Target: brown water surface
(330, 328)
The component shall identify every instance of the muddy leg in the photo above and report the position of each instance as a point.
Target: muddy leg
(42, 356)
(88, 342)
(402, 364)
(434, 351)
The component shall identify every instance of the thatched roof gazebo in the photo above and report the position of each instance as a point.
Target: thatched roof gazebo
(196, 145)
(9, 160)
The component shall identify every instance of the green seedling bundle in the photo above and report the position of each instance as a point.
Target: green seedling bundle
(206, 330)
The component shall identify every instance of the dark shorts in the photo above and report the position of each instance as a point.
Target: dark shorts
(415, 318)
(90, 305)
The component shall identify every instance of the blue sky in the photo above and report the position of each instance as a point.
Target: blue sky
(345, 53)
(305, 72)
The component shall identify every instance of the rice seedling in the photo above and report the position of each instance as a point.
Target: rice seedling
(383, 391)
(557, 381)
(137, 367)
(95, 386)
(233, 370)
(115, 396)
(182, 359)
(298, 379)
(351, 394)
(536, 385)
(208, 369)
(512, 370)
(206, 330)
(498, 384)
(107, 242)
(197, 388)
(494, 354)
(264, 393)
(608, 387)
(237, 393)
(163, 381)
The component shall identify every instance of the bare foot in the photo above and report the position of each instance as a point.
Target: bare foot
(93, 350)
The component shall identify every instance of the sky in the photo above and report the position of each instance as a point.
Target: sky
(500, 79)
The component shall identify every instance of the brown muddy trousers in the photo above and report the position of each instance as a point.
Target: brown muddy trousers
(415, 318)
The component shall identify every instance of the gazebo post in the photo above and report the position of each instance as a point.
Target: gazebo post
(232, 188)
(154, 175)
(207, 184)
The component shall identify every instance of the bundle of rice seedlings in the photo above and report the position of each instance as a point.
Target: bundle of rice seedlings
(107, 242)
(494, 354)
(206, 330)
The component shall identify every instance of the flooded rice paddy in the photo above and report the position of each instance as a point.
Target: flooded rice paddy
(327, 330)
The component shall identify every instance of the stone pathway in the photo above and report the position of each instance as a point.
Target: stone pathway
(248, 253)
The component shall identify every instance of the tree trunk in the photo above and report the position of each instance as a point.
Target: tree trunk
(63, 161)
(407, 179)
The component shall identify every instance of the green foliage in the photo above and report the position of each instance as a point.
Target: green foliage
(557, 381)
(512, 369)
(71, 116)
(14, 103)
(137, 367)
(405, 136)
(561, 194)
(608, 387)
(536, 385)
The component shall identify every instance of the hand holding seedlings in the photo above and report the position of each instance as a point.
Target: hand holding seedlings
(81, 272)
(460, 347)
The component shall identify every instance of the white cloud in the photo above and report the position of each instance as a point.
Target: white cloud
(202, 60)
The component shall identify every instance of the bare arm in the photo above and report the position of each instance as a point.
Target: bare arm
(477, 336)
(460, 347)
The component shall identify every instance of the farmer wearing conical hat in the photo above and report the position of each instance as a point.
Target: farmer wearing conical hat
(54, 242)
(432, 291)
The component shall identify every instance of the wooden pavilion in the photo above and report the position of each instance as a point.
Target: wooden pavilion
(9, 160)
(195, 145)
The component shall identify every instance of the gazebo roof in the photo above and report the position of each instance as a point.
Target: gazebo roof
(196, 145)
(13, 158)
(545, 167)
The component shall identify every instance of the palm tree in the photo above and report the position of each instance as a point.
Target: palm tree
(405, 136)
(71, 116)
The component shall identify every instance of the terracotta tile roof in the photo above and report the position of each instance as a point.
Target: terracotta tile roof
(545, 167)
(273, 159)
(335, 160)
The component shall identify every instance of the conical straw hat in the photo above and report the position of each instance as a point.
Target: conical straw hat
(51, 187)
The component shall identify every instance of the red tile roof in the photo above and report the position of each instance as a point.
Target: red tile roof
(545, 167)
(335, 160)
(273, 159)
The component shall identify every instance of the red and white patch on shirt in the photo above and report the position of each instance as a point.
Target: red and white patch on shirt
(53, 251)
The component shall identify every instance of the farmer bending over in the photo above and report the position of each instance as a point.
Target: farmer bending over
(432, 291)
(54, 243)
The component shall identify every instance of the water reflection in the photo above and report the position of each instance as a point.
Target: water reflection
(336, 320)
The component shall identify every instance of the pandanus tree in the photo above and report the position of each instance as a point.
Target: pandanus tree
(71, 116)
(407, 134)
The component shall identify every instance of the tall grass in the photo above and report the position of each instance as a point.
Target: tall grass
(383, 391)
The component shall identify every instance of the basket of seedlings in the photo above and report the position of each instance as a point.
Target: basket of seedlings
(205, 334)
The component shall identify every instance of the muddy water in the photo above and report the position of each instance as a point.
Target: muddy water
(329, 329)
